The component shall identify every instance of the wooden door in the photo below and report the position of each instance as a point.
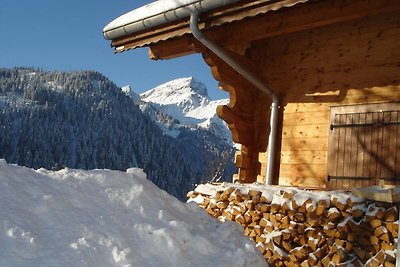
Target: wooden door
(364, 145)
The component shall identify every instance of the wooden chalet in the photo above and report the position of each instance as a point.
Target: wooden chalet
(333, 66)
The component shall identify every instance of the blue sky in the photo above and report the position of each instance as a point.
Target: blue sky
(67, 35)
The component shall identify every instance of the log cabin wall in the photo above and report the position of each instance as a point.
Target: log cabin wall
(353, 62)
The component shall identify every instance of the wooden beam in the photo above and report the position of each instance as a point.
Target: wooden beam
(298, 18)
(172, 48)
(269, 23)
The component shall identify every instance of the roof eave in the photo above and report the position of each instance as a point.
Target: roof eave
(210, 20)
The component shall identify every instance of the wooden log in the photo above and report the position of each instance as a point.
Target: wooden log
(334, 214)
(277, 239)
(275, 219)
(260, 239)
(255, 199)
(285, 221)
(226, 193)
(330, 233)
(345, 214)
(254, 193)
(312, 259)
(380, 231)
(360, 253)
(388, 264)
(347, 246)
(269, 228)
(260, 245)
(286, 234)
(391, 215)
(249, 205)
(301, 253)
(248, 230)
(313, 243)
(253, 235)
(240, 219)
(387, 246)
(357, 213)
(222, 204)
(253, 224)
(329, 226)
(299, 217)
(258, 230)
(375, 223)
(343, 227)
(341, 235)
(262, 207)
(264, 222)
(339, 256)
(326, 261)
(291, 214)
(255, 215)
(372, 263)
(287, 246)
(268, 254)
(321, 252)
(234, 210)
(320, 210)
(292, 257)
(266, 215)
(385, 237)
(218, 194)
(275, 208)
(213, 203)
(247, 218)
(287, 195)
(191, 194)
(235, 197)
(339, 204)
(301, 228)
(228, 216)
(393, 228)
(301, 240)
(357, 263)
(312, 220)
(380, 214)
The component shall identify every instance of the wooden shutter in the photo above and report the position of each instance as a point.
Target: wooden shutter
(364, 145)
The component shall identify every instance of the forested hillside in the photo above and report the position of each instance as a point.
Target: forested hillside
(82, 120)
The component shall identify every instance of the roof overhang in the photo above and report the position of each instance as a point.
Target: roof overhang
(168, 19)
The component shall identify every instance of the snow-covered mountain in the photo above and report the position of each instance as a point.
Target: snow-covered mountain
(82, 120)
(185, 103)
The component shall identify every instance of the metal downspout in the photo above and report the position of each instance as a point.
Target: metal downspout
(253, 79)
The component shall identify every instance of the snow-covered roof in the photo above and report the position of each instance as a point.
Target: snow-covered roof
(157, 13)
(166, 19)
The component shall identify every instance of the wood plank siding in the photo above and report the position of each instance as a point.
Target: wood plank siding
(353, 62)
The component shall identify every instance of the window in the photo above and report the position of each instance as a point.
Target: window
(364, 145)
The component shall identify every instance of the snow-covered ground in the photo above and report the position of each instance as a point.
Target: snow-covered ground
(109, 218)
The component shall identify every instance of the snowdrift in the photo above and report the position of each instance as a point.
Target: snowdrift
(109, 218)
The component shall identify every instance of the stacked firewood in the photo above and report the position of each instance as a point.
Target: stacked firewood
(293, 228)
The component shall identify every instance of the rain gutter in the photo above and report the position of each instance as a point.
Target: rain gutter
(253, 79)
(158, 13)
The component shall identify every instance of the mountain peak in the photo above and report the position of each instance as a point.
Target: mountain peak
(187, 101)
(197, 86)
(176, 91)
